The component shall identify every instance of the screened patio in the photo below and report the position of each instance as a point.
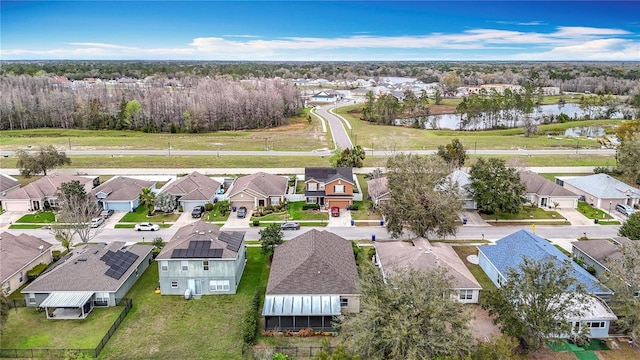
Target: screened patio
(296, 312)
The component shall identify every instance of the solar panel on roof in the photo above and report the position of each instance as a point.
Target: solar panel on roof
(233, 239)
(119, 262)
(217, 253)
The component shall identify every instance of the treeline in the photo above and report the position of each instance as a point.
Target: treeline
(618, 78)
(198, 105)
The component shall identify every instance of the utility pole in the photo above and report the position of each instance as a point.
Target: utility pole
(169, 149)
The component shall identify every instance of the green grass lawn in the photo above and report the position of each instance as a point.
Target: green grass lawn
(214, 216)
(591, 212)
(28, 328)
(38, 217)
(140, 215)
(131, 226)
(294, 213)
(25, 226)
(476, 270)
(525, 213)
(169, 327)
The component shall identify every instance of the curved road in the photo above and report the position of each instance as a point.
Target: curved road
(340, 136)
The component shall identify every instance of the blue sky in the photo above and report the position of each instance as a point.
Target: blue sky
(320, 31)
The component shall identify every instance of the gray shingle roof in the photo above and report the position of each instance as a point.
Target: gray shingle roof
(200, 231)
(262, 184)
(122, 188)
(509, 252)
(47, 186)
(194, 186)
(325, 174)
(424, 256)
(316, 262)
(7, 182)
(16, 251)
(84, 271)
(603, 251)
(603, 186)
(378, 188)
(536, 184)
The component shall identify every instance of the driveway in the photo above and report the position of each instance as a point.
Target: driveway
(9, 217)
(233, 221)
(473, 218)
(343, 220)
(574, 217)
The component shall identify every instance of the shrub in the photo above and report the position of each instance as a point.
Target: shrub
(57, 254)
(354, 207)
(36, 271)
(256, 222)
(208, 206)
(180, 209)
(591, 270)
(310, 207)
(250, 322)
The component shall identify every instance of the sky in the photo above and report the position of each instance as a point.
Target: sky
(321, 30)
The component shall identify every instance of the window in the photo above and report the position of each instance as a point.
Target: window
(338, 189)
(312, 186)
(53, 203)
(174, 284)
(101, 299)
(21, 277)
(636, 294)
(164, 265)
(219, 285)
(185, 265)
(32, 298)
(344, 302)
(312, 200)
(466, 294)
(7, 288)
(596, 324)
(137, 272)
(205, 265)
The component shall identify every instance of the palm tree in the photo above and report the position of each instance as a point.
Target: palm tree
(147, 198)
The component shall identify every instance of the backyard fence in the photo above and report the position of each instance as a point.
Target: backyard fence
(62, 353)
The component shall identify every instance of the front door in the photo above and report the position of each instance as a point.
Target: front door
(194, 285)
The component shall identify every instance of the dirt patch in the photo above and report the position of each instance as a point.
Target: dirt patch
(482, 327)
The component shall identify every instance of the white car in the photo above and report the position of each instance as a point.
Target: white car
(95, 222)
(146, 227)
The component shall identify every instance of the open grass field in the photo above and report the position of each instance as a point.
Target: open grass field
(170, 327)
(26, 328)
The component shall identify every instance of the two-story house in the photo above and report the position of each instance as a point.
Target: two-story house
(202, 258)
(329, 187)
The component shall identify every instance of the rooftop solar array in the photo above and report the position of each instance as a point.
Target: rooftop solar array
(119, 262)
(196, 253)
(233, 239)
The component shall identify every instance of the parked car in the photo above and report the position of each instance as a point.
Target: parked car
(290, 225)
(625, 209)
(242, 212)
(106, 213)
(197, 211)
(95, 222)
(145, 226)
(335, 211)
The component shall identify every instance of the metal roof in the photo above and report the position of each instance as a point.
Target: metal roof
(301, 305)
(67, 299)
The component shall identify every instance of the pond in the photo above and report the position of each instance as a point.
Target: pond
(590, 131)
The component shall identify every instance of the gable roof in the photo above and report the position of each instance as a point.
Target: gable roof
(122, 188)
(194, 186)
(327, 174)
(8, 183)
(424, 256)
(47, 186)
(17, 251)
(509, 251)
(602, 251)
(378, 188)
(85, 269)
(208, 236)
(463, 180)
(316, 262)
(603, 186)
(536, 184)
(262, 184)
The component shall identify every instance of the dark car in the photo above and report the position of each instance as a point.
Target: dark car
(197, 211)
(242, 212)
(106, 213)
(290, 225)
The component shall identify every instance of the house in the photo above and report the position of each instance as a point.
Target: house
(329, 187)
(43, 192)
(259, 189)
(601, 190)
(464, 188)
(91, 275)
(202, 258)
(324, 97)
(598, 253)
(121, 193)
(192, 190)
(313, 278)
(378, 189)
(8, 184)
(544, 193)
(18, 255)
(509, 252)
(421, 255)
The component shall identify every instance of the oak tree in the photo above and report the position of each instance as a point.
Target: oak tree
(46, 158)
(495, 187)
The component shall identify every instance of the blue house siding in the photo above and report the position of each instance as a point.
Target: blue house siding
(120, 205)
(488, 268)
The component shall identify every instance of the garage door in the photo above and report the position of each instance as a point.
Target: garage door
(342, 204)
(15, 205)
(247, 204)
(563, 203)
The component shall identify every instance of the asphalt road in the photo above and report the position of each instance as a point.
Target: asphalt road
(340, 136)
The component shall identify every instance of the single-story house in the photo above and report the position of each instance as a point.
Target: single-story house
(192, 190)
(8, 184)
(324, 97)
(508, 253)
(378, 190)
(18, 255)
(601, 190)
(598, 253)
(202, 258)
(329, 187)
(313, 278)
(464, 188)
(33, 196)
(546, 194)
(121, 193)
(259, 189)
(420, 255)
(91, 275)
